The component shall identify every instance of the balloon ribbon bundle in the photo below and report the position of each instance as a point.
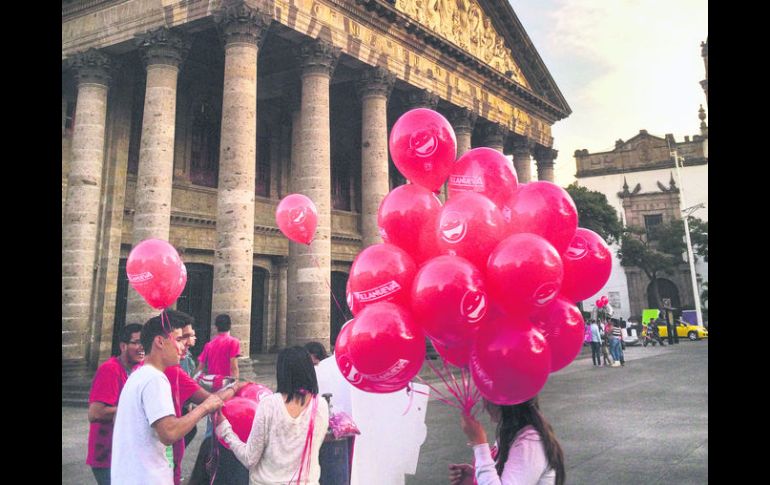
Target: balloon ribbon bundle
(462, 394)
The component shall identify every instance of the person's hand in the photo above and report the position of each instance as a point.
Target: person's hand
(212, 403)
(240, 385)
(473, 430)
(460, 474)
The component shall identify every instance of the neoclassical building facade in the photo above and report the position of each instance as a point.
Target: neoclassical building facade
(189, 120)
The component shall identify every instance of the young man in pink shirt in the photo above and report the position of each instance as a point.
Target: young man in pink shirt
(220, 356)
(103, 400)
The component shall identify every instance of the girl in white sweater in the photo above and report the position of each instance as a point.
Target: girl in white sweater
(528, 454)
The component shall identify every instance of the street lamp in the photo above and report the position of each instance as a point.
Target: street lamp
(687, 212)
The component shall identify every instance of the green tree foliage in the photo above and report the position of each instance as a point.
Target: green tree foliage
(595, 213)
(662, 248)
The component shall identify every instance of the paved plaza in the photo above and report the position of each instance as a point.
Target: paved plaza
(645, 423)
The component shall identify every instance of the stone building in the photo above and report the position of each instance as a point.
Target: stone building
(189, 120)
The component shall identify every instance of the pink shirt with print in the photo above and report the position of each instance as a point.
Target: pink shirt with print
(216, 354)
(108, 381)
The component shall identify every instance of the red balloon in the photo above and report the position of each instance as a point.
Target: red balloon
(563, 327)
(524, 273)
(599, 303)
(485, 171)
(510, 360)
(297, 218)
(381, 272)
(239, 412)
(156, 272)
(605, 300)
(381, 350)
(587, 265)
(457, 356)
(254, 391)
(449, 300)
(423, 147)
(407, 218)
(470, 226)
(353, 304)
(545, 209)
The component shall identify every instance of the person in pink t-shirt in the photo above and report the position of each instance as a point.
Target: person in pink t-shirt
(103, 400)
(220, 356)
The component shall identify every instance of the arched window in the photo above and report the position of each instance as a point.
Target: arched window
(667, 291)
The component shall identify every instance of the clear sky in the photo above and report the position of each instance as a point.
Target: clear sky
(622, 66)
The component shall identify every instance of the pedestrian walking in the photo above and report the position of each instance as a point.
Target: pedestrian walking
(596, 344)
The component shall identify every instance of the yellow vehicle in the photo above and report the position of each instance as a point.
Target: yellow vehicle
(684, 329)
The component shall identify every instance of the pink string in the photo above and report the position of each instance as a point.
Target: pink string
(307, 453)
(464, 393)
(345, 315)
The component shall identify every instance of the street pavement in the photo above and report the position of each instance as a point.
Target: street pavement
(645, 423)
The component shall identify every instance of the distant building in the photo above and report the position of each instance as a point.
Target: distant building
(639, 179)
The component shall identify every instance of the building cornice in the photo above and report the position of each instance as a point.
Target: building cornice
(664, 164)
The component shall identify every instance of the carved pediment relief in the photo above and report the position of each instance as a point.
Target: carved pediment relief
(465, 24)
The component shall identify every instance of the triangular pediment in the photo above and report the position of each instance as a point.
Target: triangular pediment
(465, 24)
(490, 31)
(641, 140)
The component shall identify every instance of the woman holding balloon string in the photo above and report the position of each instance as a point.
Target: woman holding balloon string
(288, 428)
(527, 450)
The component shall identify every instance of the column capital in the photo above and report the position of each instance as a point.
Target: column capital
(317, 56)
(544, 154)
(240, 23)
(462, 119)
(163, 46)
(375, 81)
(421, 98)
(494, 134)
(523, 144)
(92, 66)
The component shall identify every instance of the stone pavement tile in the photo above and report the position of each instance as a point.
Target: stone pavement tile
(686, 474)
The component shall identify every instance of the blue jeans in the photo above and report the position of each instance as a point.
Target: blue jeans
(102, 475)
(615, 349)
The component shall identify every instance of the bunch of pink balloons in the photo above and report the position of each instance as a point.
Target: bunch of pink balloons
(491, 277)
(240, 410)
(602, 302)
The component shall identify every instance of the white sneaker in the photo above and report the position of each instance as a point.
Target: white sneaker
(616, 364)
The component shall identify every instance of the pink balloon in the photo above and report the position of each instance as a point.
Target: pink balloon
(381, 272)
(605, 300)
(297, 218)
(587, 265)
(353, 304)
(524, 273)
(599, 303)
(458, 356)
(563, 327)
(240, 412)
(545, 209)
(423, 147)
(510, 360)
(470, 226)
(156, 272)
(485, 171)
(381, 350)
(407, 218)
(449, 300)
(254, 391)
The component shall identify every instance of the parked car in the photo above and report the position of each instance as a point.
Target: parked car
(684, 329)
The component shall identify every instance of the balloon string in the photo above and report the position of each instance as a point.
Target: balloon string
(213, 461)
(443, 400)
(410, 393)
(343, 312)
(437, 391)
(443, 378)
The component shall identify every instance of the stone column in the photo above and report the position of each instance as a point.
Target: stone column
(308, 310)
(463, 121)
(493, 136)
(81, 207)
(522, 151)
(544, 156)
(374, 88)
(243, 30)
(280, 334)
(162, 52)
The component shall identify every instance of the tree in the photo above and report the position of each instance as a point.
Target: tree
(595, 213)
(661, 248)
